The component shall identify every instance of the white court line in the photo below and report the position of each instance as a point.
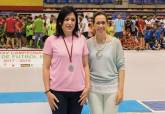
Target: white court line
(154, 111)
(145, 105)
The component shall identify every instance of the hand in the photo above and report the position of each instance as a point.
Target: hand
(119, 97)
(83, 96)
(52, 99)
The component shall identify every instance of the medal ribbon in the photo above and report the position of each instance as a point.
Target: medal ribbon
(70, 54)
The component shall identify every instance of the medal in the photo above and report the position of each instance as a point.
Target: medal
(99, 54)
(70, 67)
(99, 49)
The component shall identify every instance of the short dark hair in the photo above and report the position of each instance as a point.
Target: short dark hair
(60, 19)
(99, 13)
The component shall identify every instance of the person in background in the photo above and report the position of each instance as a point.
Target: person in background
(141, 25)
(52, 27)
(10, 32)
(110, 28)
(19, 31)
(2, 36)
(119, 27)
(91, 31)
(29, 32)
(38, 26)
(65, 65)
(84, 25)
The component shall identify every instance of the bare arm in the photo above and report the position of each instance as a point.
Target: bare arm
(46, 78)
(121, 73)
(46, 71)
(121, 80)
(86, 68)
(120, 93)
(84, 94)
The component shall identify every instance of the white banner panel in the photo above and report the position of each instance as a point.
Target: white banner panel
(20, 58)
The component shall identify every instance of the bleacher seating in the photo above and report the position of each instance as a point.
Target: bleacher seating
(78, 1)
(147, 1)
(160, 1)
(104, 1)
(150, 7)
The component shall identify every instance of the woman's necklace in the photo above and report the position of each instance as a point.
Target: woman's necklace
(99, 48)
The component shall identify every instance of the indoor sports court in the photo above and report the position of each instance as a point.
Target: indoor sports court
(21, 84)
(21, 89)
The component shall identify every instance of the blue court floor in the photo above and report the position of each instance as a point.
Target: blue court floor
(40, 97)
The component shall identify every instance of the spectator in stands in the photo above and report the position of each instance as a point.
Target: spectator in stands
(148, 21)
(19, 31)
(153, 20)
(128, 31)
(119, 27)
(133, 28)
(25, 22)
(65, 65)
(84, 25)
(148, 37)
(29, 32)
(45, 33)
(91, 31)
(141, 27)
(10, 31)
(38, 26)
(163, 42)
(2, 20)
(52, 27)
(158, 35)
(163, 20)
(128, 25)
(106, 61)
(110, 28)
(2, 35)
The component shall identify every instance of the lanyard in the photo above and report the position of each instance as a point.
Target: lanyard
(70, 54)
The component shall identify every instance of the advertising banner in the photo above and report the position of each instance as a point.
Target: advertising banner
(20, 58)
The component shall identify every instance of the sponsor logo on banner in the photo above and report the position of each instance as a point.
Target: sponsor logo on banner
(21, 58)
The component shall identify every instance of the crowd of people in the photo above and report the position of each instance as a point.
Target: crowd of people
(135, 32)
(17, 31)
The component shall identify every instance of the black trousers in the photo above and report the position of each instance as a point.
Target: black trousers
(68, 102)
